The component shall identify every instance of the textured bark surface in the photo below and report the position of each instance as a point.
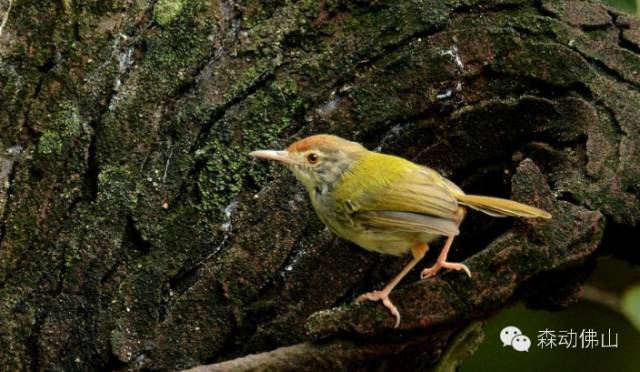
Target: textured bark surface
(135, 231)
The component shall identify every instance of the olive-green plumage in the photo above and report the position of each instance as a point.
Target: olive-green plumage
(384, 203)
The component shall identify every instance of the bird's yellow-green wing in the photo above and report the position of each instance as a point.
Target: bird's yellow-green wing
(407, 222)
(387, 192)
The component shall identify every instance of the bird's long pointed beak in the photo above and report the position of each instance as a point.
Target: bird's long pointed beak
(282, 156)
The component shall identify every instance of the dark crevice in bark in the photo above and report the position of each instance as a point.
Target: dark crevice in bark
(188, 87)
(114, 364)
(236, 336)
(622, 42)
(76, 30)
(488, 7)
(47, 66)
(183, 279)
(544, 11)
(592, 28)
(615, 241)
(133, 235)
(523, 31)
(616, 125)
(32, 342)
(460, 297)
(109, 275)
(2, 227)
(625, 44)
(62, 272)
(548, 137)
(569, 197)
(28, 134)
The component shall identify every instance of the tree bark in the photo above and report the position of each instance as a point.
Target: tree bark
(136, 233)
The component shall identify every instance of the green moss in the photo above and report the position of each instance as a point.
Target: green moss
(115, 185)
(245, 79)
(50, 143)
(65, 125)
(259, 122)
(12, 83)
(67, 120)
(72, 256)
(166, 10)
(222, 178)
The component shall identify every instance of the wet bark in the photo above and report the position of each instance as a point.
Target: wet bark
(136, 233)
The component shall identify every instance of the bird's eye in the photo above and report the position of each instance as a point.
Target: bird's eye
(312, 158)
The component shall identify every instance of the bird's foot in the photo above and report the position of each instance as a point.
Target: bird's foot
(433, 270)
(384, 297)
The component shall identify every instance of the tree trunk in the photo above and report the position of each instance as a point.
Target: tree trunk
(136, 232)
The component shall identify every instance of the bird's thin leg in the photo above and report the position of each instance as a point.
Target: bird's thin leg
(442, 262)
(418, 251)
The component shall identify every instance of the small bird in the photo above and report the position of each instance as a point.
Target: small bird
(384, 203)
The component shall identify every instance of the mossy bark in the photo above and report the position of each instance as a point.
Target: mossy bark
(135, 231)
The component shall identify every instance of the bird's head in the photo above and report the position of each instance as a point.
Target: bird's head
(318, 162)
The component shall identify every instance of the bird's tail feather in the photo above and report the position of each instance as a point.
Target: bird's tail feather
(498, 207)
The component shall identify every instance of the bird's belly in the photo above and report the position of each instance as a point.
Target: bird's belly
(382, 241)
(397, 243)
(394, 243)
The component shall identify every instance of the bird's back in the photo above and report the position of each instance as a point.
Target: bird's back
(372, 173)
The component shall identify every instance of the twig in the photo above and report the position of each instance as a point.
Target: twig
(334, 355)
(463, 345)
(601, 297)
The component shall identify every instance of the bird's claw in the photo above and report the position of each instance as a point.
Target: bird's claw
(384, 297)
(433, 270)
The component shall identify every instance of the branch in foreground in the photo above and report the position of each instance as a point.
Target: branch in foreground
(341, 354)
(333, 355)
